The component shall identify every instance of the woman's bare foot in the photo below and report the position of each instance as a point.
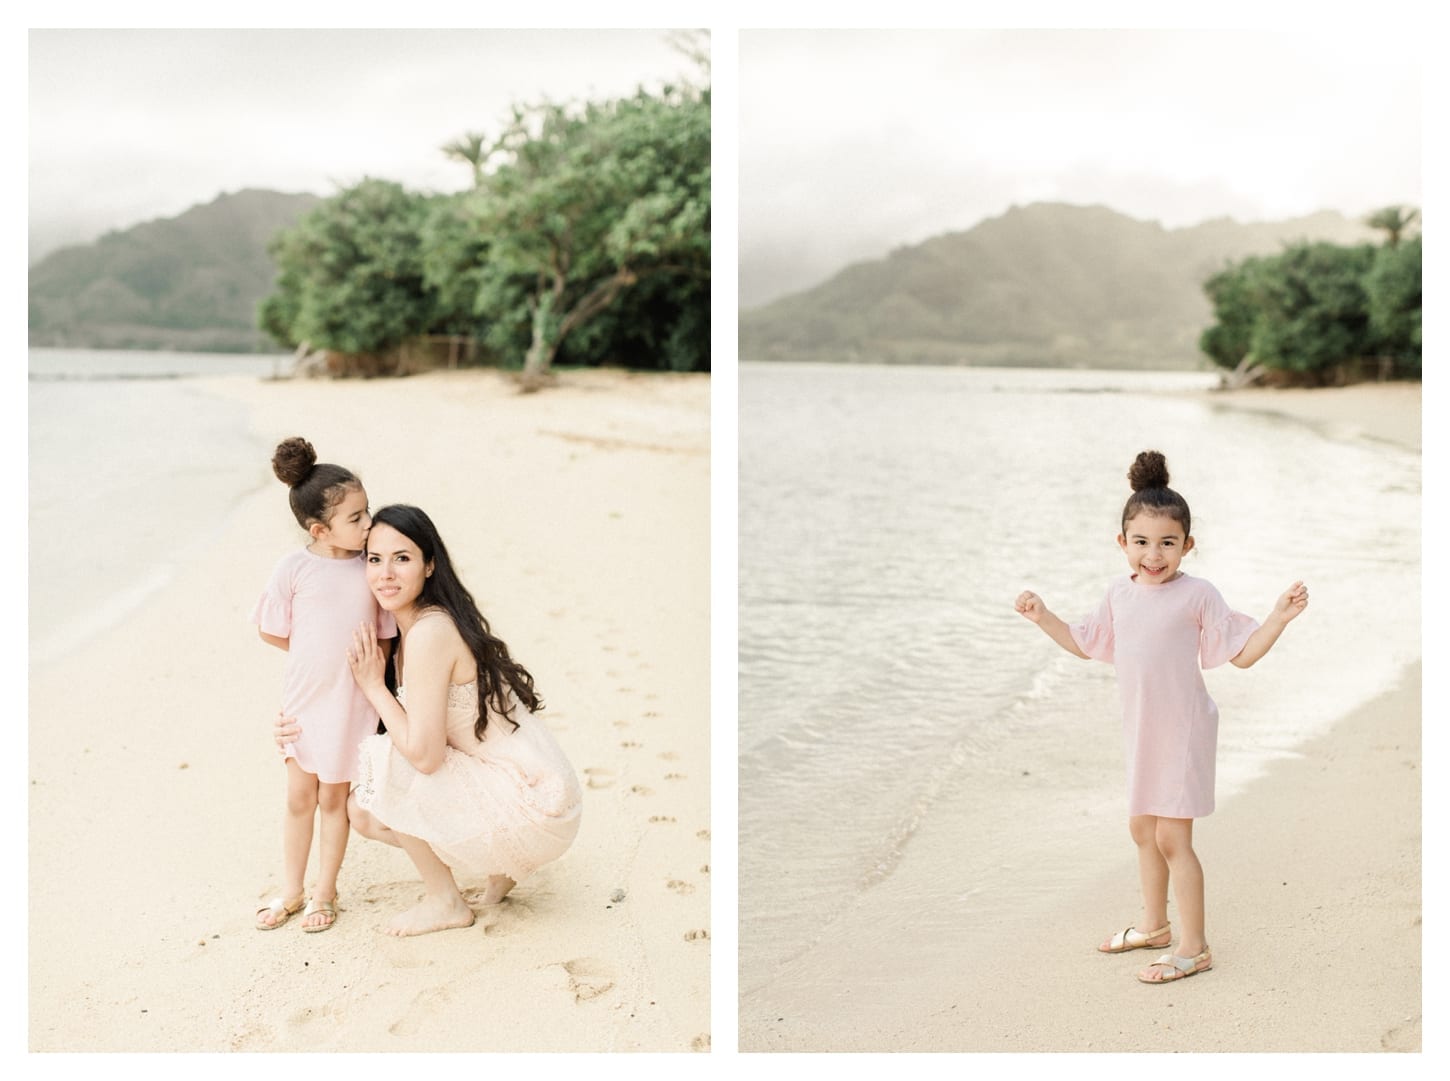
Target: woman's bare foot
(496, 889)
(433, 913)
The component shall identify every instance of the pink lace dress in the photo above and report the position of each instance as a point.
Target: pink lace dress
(505, 805)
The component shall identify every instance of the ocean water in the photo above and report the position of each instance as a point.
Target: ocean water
(908, 743)
(132, 467)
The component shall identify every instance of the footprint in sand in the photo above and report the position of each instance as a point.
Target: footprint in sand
(641, 790)
(425, 1006)
(620, 724)
(674, 776)
(704, 835)
(598, 777)
(668, 756)
(651, 713)
(700, 1042)
(588, 978)
(704, 868)
(680, 887)
(697, 936)
(252, 1038)
(661, 818)
(631, 745)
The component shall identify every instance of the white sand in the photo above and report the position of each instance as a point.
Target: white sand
(579, 517)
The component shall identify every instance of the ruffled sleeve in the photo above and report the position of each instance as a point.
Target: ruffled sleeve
(1222, 632)
(273, 613)
(1094, 635)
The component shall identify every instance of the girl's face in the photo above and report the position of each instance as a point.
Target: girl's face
(347, 530)
(396, 571)
(1154, 545)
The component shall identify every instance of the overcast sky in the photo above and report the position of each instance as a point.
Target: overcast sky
(130, 125)
(854, 142)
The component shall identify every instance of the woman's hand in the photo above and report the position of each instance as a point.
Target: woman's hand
(1291, 602)
(365, 658)
(286, 730)
(1031, 606)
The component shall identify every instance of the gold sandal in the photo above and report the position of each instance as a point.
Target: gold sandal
(314, 905)
(1179, 967)
(1133, 939)
(281, 911)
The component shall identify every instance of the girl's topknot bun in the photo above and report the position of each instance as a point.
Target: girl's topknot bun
(293, 461)
(1149, 470)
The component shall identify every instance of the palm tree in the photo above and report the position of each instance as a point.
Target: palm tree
(472, 148)
(1394, 220)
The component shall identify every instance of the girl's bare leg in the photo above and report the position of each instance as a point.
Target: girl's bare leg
(1152, 877)
(442, 906)
(1175, 841)
(331, 847)
(296, 830)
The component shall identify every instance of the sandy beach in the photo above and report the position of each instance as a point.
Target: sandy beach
(579, 518)
(1314, 897)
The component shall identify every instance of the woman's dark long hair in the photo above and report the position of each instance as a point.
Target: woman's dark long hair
(498, 673)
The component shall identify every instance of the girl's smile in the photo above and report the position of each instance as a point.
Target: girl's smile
(1154, 545)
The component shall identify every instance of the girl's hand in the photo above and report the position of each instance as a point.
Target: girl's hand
(365, 658)
(1292, 601)
(1031, 606)
(286, 730)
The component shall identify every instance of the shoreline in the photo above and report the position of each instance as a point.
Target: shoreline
(1384, 412)
(155, 797)
(1313, 873)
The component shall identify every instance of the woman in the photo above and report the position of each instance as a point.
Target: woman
(466, 780)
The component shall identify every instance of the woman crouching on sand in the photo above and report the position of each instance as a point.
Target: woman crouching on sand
(466, 780)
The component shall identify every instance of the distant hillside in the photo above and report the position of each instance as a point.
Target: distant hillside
(1043, 285)
(190, 282)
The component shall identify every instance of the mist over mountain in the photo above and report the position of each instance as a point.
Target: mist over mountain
(1049, 284)
(190, 282)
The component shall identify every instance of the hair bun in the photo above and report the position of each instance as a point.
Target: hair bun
(1149, 470)
(293, 460)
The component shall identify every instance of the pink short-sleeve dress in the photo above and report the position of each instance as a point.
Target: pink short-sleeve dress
(1158, 638)
(316, 603)
(503, 805)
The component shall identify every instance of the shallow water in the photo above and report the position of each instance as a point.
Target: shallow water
(132, 466)
(903, 732)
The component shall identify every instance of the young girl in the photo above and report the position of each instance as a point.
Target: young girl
(1157, 626)
(316, 598)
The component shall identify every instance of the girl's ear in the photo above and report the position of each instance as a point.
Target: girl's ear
(316, 529)
(1122, 542)
(1187, 545)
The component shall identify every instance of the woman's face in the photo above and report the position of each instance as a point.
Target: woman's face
(396, 571)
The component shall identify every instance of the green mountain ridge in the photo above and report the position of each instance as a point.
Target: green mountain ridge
(1048, 284)
(190, 282)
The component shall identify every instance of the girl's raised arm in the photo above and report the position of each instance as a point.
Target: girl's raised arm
(1290, 603)
(1031, 606)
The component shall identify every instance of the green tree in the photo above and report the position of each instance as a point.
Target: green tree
(473, 149)
(1233, 292)
(1314, 312)
(1393, 287)
(585, 204)
(350, 274)
(1394, 220)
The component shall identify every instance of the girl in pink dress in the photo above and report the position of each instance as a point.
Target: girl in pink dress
(315, 600)
(1158, 627)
